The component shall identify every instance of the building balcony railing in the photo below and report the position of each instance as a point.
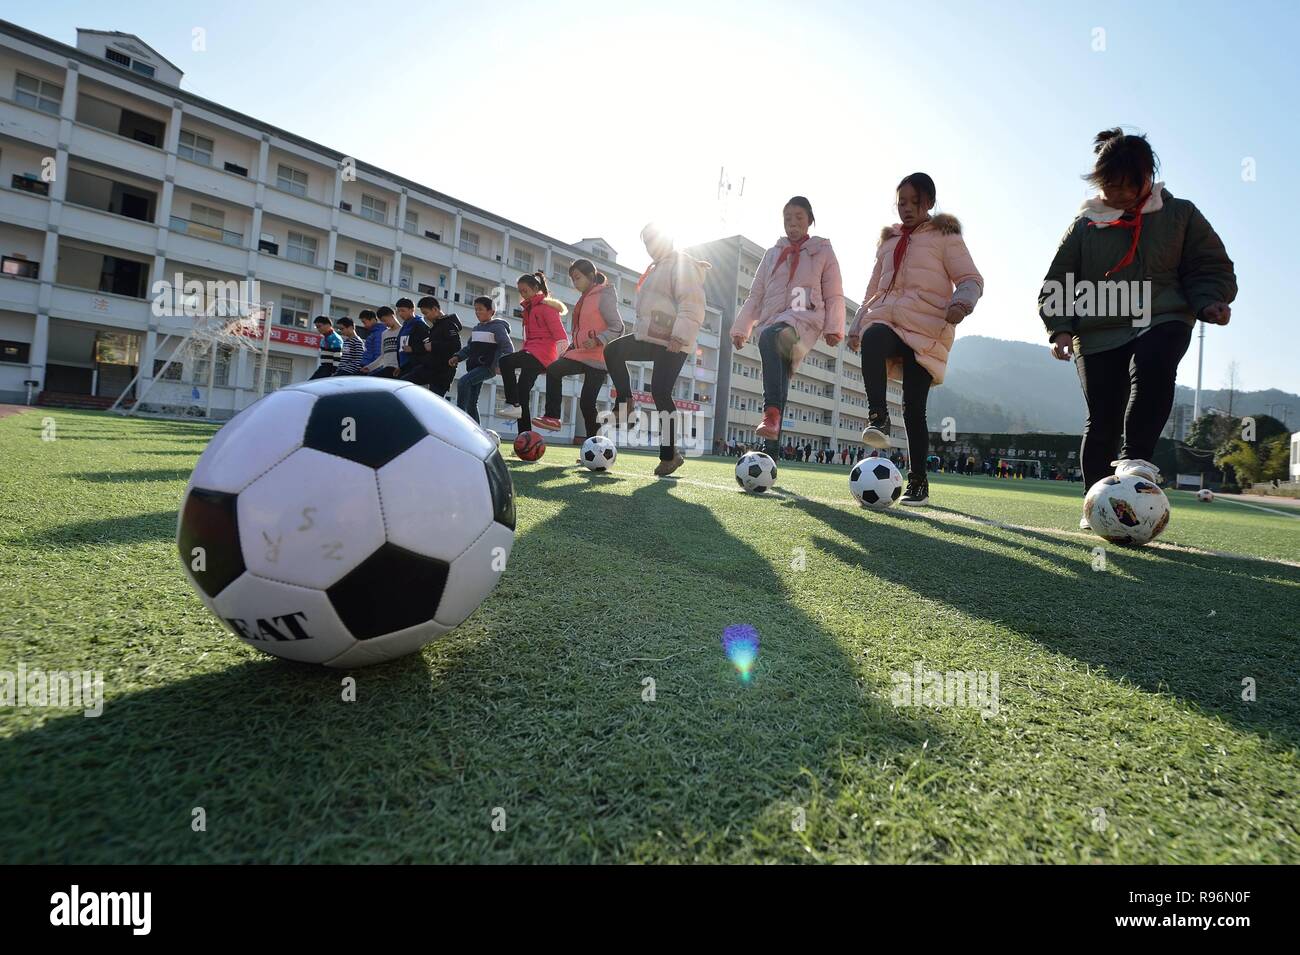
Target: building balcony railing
(201, 231)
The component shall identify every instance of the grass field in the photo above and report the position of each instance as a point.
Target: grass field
(1120, 735)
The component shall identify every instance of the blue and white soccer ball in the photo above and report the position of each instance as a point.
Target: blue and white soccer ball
(346, 521)
(598, 453)
(755, 472)
(875, 483)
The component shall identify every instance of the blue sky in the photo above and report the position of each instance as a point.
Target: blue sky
(587, 119)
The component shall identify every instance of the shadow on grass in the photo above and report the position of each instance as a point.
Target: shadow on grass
(536, 705)
(132, 476)
(1156, 623)
(135, 529)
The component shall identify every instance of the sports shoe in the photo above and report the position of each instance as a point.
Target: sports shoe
(876, 433)
(513, 412)
(1137, 467)
(918, 491)
(770, 429)
(666, 468)
(547, 423)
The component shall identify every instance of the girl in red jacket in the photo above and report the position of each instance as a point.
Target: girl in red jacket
(543, 330)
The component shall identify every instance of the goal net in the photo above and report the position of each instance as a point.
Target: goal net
(207, 366)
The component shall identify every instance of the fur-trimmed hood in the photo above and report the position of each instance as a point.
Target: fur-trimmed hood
(556, 304)
(945, 222)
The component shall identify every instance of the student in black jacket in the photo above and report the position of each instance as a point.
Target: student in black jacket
(443, 342)
(415, 335)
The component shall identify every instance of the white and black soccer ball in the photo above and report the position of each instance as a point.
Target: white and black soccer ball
(1205, 496)
(875, 483)
(346, 521)
(755, 472)
(1126, 509)
(598, 453)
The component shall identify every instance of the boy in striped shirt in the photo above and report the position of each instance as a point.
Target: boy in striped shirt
(353, 348)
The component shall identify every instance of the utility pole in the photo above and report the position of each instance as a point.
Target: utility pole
(1200, 363)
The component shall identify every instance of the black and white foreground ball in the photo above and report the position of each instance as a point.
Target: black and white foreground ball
(598, 453)
(755, 472)
(875, 483)
(346, 521)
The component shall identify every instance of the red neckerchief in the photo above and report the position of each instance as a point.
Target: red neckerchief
(645, 275)
(1135, 224)
(900, 249)
(790, 252)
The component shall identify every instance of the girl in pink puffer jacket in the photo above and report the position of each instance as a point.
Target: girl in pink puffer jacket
(797, 297)
(923, 285)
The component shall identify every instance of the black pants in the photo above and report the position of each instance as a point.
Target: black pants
(1130, 392)
(776, 346)
(518, 372)
(417, 373)
(324, 371)
(667, 365)
(879, 344)
(593, 378)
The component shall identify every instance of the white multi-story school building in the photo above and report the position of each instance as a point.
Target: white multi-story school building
(112, 178)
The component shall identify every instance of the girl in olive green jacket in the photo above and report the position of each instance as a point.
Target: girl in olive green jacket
(1134, 273)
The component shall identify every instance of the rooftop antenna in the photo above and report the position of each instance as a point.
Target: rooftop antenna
(725, 186)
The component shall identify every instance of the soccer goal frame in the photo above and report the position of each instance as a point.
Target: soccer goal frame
(184, 384)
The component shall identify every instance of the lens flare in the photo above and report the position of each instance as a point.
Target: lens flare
(740, 643)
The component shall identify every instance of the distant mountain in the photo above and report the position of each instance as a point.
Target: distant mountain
(1004, 386)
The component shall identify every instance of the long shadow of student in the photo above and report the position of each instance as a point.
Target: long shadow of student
(1146, 620)
(536, 714)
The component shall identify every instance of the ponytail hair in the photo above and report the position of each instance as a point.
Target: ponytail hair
(1122, 158)
(536, 281)
(588, 268)
(922, 183)
(803, 204)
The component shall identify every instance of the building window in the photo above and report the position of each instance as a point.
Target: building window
(469, 241)
(221, 376)
(295, 311)
(337, 312)
(20, 268)
(15, 352)
(113, 56)
(205, 215)
(25, 182)
(376, 210)
(301, 248)
(279, 371)
(195, 147)
(407, 278)
(144, 69)
(38, 94)
(412, 222)
(291, 180)
(523, 260)
(367, 266)
(166, 370)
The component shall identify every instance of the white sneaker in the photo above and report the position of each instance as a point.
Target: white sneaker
(513, 412)
(1137, 467)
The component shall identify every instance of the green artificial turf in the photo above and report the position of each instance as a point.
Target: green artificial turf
(1120, 734)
